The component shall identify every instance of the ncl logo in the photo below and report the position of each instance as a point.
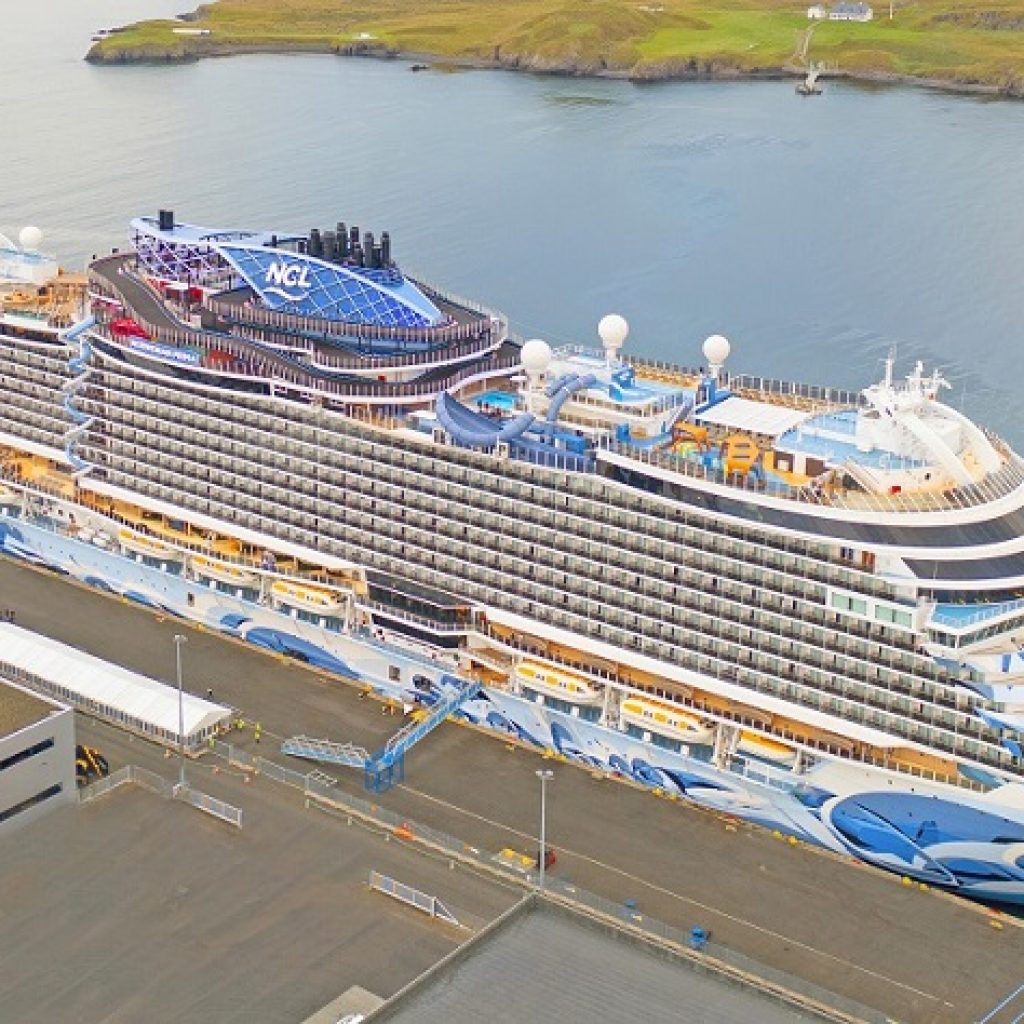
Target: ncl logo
(288, 280)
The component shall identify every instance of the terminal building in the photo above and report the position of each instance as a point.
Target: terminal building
(109, 692)
(37, 755)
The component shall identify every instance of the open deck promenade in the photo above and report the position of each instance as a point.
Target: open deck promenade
(917, 956)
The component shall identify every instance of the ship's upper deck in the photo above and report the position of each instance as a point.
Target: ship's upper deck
(36, 296)
(891, 448)
(327, 316)
(335, 275)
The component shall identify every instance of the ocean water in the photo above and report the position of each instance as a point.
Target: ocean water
(818, 234)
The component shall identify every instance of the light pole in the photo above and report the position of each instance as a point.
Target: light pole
(178, 641)
(545, 775)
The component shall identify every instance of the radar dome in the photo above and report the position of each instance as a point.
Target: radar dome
(613, 330)
(30, 238)
(535, 356)
(716, 349)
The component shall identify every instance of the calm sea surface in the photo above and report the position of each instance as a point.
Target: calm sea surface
(817, 234)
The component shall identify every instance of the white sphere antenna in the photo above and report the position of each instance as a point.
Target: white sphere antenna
(716, 350)
(612, 330)
(30, 238)
(535, 355)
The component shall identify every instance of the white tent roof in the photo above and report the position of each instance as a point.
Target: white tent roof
(750, 417)
(111, 686)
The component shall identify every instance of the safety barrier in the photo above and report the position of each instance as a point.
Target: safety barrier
(413, 897)
(203, 802)
(150, 780)
(103, 786)
(154, 783)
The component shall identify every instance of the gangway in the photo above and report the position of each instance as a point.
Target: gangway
(326, 751)
(386, 767)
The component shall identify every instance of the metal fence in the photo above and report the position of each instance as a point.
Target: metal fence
(150, 780)
(413, 897)
(203, 802)
(103, 786)
(154, 783)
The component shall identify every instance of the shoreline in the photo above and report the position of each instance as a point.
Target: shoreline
(678, 70)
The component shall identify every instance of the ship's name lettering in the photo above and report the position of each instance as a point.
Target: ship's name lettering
(288, 275)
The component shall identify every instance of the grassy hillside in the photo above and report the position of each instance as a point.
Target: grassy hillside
(958, 41)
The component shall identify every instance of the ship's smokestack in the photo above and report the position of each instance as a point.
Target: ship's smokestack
(165, 219)
(385, 248)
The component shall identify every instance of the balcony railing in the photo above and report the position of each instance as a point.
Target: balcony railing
(991, 488)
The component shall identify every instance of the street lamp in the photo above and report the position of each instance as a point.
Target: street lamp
(545, 775)
(178, 641)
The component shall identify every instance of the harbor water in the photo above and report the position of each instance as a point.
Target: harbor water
(816, 233)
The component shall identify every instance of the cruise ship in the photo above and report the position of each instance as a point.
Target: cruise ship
(798, 605)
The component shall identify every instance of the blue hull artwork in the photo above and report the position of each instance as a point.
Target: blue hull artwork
(968, 843)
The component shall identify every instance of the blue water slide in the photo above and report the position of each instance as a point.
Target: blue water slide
(564, 381)
(564, 393)
(473, 428)
(76, 330)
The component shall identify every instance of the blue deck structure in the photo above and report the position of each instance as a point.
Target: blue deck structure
(298, 283)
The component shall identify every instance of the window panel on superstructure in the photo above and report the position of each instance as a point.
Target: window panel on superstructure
(865, 710)
(374, 537)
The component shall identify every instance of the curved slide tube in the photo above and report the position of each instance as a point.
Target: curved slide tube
(471, 428)
(564, 381)
(566, 389)
(76, 330)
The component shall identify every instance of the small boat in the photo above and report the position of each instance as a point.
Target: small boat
(555, 683)
(140, 544)
(665, 719)
(223, 572)
(809, 86)
(310, 599)
(766, 749)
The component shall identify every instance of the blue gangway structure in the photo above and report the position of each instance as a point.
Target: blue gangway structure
(386, 767)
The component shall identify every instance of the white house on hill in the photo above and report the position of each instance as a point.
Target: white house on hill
(851, 12)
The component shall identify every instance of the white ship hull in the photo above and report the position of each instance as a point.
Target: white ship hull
(970, 843)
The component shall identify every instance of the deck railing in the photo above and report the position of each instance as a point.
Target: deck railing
(991, 488)
(255, 359)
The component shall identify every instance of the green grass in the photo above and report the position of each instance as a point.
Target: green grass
(961, 41)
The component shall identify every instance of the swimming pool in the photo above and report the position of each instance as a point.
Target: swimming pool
(497, 400)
